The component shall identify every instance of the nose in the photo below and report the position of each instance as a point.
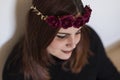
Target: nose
(71, 42)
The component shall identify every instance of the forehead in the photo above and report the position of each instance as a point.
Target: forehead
(69, 30)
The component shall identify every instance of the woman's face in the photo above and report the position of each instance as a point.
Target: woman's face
(64, 43)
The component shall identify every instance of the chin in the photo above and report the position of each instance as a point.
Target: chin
(65, 58)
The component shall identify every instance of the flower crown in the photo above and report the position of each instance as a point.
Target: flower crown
(66, 20)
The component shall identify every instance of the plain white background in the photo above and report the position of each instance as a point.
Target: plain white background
(105, 20)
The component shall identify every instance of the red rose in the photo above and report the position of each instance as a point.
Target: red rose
(78, 22)
(67, 21)
(53, 21)
(87, 14)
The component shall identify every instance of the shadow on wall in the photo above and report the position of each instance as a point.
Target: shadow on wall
(21, 9)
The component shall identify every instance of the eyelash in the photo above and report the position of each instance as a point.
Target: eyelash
(62, 37)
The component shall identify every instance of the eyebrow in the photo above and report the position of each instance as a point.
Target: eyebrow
(67, 33)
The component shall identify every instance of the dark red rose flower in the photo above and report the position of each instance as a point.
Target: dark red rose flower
(87, 14)
(67, 21)
(53, 21)
(78, 22)
(86, 17)
(88, 9)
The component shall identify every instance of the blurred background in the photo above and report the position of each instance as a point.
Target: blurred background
(104, 20)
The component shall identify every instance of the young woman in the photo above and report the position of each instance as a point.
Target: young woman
(58, 45)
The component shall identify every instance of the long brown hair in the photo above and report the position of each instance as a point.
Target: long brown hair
(39, 35)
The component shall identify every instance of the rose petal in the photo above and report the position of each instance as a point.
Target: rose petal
(53, 21)
(67, 21)
(78, 22)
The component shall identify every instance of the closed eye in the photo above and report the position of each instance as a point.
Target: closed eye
(61, 36)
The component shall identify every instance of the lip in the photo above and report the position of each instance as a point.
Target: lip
(67, 51)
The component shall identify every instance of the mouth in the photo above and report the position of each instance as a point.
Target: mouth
(67, 51)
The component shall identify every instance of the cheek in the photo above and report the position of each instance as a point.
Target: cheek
(55, 47)
(56, 44)
(78, 38)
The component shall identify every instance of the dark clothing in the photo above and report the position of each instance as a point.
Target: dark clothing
(99, 67)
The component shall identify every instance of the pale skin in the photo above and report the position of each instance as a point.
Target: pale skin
(64, 43)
